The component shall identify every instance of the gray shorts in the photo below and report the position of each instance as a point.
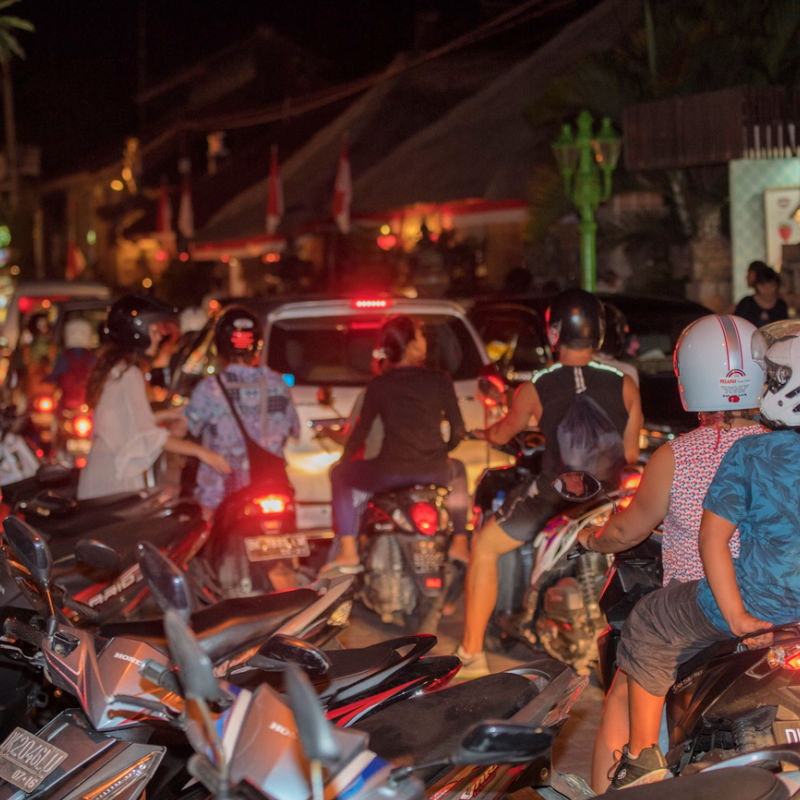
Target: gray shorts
(665, 629)
(522, 516)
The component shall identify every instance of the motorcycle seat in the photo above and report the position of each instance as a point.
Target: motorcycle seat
(227, 627)
(720, 648)
(429, 727)
(743, 783)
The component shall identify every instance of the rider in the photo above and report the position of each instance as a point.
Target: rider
(71, 370)
(127, 438)
(676, 479)
(261, 398)
(575, 322)
(756, 489)
(410, 400)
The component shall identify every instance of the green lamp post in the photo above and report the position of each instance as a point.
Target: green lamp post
(581, 160)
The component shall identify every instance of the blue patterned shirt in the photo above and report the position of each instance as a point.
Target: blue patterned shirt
(757, 487)
(209, 414)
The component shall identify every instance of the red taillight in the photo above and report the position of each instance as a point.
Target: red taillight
(632, 481)
(494, 398)
(425, 517)
(270, 504)
(80, 463)
(45, 404)
(372, 303)
(433, 583)
(625, 502)
(82, 426)
(793, 662)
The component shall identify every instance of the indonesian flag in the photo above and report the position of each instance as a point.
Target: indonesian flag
(185, 210)
(76, 262)
(343, 191)
(164, 218)
(274, 193)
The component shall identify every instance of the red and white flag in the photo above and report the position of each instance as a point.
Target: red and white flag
(185, 209)
(164, 217)
(343, 191)
(274, 193)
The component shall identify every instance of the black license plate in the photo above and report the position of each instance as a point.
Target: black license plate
(272, 546)
(26, 760)
(787, 731)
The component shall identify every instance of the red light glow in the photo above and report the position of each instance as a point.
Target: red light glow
(632, 481)
(162, 255)
(497, 382)
(425, 517)
(184, 257)
(82, 426)
(45, 404)
(371, 303)
(433, 583)
(272, 503)
(793, 662)
(80, 463)
(387, 241)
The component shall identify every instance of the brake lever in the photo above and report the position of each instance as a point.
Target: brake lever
(577, 551)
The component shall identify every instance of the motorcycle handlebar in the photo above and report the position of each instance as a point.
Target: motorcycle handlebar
(16, 629)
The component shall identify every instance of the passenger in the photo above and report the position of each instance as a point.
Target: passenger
(410, 400)
(575, 323)
(72, 368)
(127, 437)
(260, 397)
(756, 489)
(676, 479)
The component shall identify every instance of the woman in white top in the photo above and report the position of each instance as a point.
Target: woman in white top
(127, 438)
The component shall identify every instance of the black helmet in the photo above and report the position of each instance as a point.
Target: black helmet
(238, 333)
(129, 320)
(575, 319)
(616, 335)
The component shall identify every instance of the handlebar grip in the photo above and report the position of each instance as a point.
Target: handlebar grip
(16, 629)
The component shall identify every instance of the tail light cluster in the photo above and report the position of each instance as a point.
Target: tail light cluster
(787, 657)
(268, 505)
(425, 518)
(44, 404)
(82, 426)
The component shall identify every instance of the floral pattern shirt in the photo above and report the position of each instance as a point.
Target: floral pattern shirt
(265, 407)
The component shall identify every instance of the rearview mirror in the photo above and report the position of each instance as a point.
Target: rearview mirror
(282, 649)
(97, 554)
(166, 581)
(577, 486)
(499, 742)
(31, 550)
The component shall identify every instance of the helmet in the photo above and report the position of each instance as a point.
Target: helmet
(616, 334)
(714, 366)
(129, 320)
(777, 348)
(77, 333)
(238, 333)
(192, 319)
(575, 319)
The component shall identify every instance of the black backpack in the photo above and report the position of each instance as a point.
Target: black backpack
(587, 438)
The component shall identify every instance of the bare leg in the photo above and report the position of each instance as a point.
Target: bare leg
(645, 717)
(612, 734)
(348, 552)
(488, 544)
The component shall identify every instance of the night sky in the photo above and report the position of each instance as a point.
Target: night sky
(74, 92)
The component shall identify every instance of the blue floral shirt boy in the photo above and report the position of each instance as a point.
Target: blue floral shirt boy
(265, 407)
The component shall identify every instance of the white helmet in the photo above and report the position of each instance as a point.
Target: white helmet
(192, 319)
(77, 333)
(714, 367)
(777, 348)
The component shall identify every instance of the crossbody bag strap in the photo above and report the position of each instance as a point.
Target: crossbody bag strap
(233, 409)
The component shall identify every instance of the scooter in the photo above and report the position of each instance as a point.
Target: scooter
(18, 460)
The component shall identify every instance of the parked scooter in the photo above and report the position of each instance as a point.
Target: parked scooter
(18, 460)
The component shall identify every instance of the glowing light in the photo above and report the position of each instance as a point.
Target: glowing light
(225, 258)
(82, 426)
(371, 303)
(385, 230)
(5, 236)
(272, 503)
(117, 185)
(184, 257)
(45, 404)
(46, 303)
(80, 463)
(425, 517)
(387, 241)
(91, 237)
(213, 305)
(161, 255)
(632, 481)
(147, 283)
(271, 258)
(15, 270)
(126, 173)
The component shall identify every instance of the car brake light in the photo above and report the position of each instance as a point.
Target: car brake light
(371, 303)
(271, 503)
(44, 404)
(80, 463)
(82, 426)
(425, 517)
(433, 583)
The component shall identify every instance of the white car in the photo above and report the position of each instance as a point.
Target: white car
(324, 350)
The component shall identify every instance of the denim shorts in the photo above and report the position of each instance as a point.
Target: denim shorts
(665, 629)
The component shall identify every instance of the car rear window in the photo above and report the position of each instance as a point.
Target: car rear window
(338, 349)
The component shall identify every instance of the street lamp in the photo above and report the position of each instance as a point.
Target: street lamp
(581, 159)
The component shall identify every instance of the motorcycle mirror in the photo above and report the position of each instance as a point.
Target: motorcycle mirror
(316, 733)
(577, 486)
(166, 581)
(31, 550)
(499, 742)
(282, 649)
(97, 554)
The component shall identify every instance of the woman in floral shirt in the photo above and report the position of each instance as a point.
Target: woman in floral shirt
(261, 398)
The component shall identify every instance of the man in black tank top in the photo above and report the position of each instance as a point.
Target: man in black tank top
(575, 322)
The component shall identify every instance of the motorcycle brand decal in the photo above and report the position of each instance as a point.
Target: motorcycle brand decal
(125, 581)
(282, 730)
(26, 760)
(735, 383)
(131, 659)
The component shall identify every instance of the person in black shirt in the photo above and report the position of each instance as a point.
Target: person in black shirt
(410, 400)
(764, 305)
(575, 325)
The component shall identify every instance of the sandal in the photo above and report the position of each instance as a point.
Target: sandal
(334, 570)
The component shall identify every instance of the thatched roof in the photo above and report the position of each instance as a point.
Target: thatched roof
(414, 139)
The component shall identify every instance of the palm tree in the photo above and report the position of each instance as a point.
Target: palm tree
(10, 47)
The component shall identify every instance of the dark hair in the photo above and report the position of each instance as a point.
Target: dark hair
(756, 266)
(109, 357)
(765, 274)
(395, 336)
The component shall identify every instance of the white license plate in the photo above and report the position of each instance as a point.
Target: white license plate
(79, 447)
(26, 760)
(267, 548)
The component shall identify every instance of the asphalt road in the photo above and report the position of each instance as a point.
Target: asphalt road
(573, 749)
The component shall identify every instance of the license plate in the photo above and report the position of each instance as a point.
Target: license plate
(79, 447)
(267, 548)
(26, 760)
(787, 731)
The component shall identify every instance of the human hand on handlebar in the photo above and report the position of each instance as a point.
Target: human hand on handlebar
(585, 534)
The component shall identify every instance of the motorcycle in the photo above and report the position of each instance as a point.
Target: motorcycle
(18, 460)
(72, 435)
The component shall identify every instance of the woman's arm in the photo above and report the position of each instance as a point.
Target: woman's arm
(184, 447)
(633, 405)
(648, 507)
(452, 413)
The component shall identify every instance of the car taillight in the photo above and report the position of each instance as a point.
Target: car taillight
(45, 404)
(270, 504)
(425, 517)
(433, 583)
(82, 426)
(80, 463)
(371, 303)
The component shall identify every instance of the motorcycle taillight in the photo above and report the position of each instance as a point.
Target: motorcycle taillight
(82, 425)
(425, 517)
(268, 505)
(44, 404)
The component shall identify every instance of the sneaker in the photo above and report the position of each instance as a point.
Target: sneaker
(648, 767)
(472, 666)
